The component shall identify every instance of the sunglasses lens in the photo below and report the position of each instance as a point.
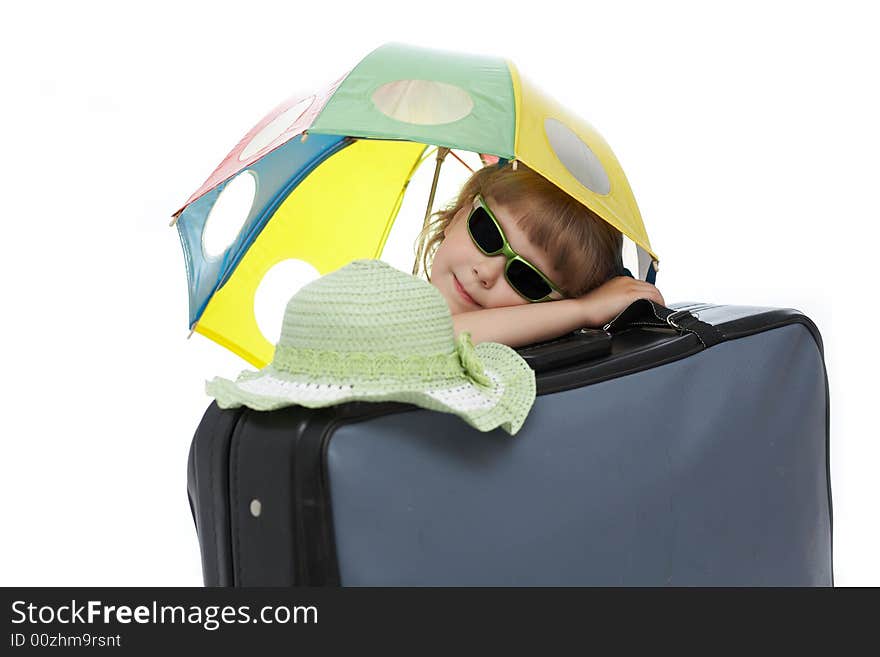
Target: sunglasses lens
(484, 231)
(527, 281)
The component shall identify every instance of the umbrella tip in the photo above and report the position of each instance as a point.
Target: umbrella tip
(173, 220)
(191, 331)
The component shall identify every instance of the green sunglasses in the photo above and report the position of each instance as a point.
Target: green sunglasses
(526, 279)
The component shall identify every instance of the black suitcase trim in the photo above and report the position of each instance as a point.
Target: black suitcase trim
(210, 448)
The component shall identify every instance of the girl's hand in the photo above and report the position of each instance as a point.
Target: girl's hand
(605, 302)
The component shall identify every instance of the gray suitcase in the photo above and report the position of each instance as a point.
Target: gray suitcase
(681, 446)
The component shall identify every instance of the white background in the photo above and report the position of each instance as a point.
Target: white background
(748, 133)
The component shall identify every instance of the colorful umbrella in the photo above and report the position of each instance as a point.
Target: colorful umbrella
(329, 171)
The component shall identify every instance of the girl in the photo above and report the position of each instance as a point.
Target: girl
(512, 239)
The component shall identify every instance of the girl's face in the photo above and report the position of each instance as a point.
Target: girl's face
(470, 280)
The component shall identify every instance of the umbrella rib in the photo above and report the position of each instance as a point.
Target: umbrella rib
(460, 160)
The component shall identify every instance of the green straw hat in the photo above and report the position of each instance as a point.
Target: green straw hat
(370, 332)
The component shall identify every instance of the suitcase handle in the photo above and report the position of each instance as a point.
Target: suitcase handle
(576, 347)
(644, 312)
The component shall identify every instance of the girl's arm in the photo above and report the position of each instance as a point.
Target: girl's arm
(517, 326)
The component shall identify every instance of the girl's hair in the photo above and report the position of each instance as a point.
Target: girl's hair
(584, 247)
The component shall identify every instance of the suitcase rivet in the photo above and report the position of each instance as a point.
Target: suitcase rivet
(256, 508)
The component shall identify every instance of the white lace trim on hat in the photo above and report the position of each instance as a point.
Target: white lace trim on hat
(465, 397)
(270, 386)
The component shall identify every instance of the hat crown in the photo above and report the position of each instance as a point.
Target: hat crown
(369, 307)
(373, 333)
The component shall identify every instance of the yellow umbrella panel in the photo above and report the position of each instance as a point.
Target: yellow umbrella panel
(342, 211)
(571, 154)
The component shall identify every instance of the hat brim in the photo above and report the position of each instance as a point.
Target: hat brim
(504, 403)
